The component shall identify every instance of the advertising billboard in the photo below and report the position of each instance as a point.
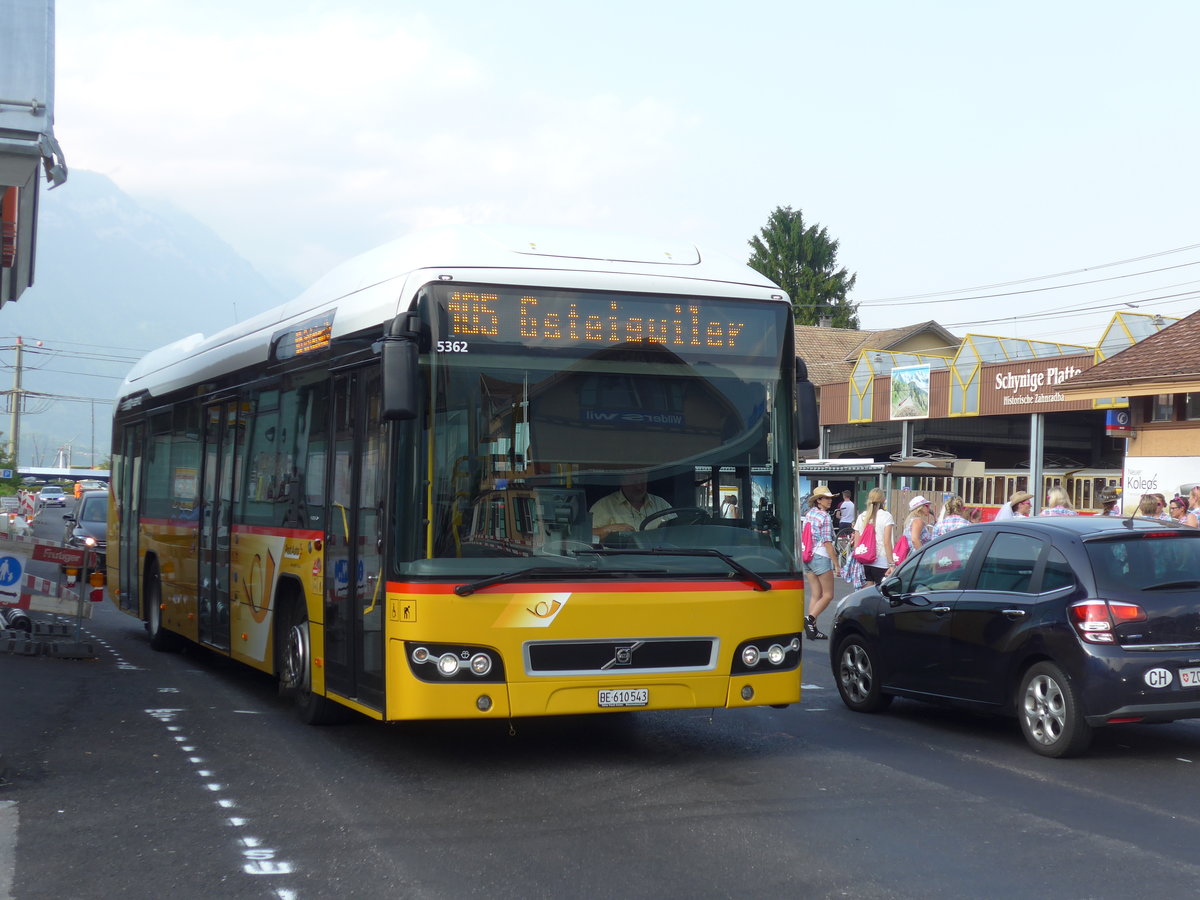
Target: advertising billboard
(1167, 475)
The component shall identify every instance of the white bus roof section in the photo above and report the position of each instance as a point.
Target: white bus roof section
(371, 289)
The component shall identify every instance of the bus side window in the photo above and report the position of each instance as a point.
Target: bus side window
(303, 423)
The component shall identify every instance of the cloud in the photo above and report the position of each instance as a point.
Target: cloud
(332, 133)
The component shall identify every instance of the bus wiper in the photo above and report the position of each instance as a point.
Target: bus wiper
(760, 583)
(464, 589)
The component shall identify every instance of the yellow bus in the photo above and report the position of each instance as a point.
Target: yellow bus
(381, 492)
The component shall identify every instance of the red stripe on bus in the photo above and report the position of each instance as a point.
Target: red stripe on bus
(297, 533)
(302, 534)
(595, 587)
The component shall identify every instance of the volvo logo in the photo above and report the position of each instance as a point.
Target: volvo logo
(622, 655)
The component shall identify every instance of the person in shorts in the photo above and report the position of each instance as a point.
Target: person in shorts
(818, 587)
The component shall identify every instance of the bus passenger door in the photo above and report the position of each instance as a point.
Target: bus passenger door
(354, 599)
(216, 510)
(127, 494)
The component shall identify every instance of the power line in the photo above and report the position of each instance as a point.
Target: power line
(1056, 287)
(988, 287)
(138, 350)
(1071, 312)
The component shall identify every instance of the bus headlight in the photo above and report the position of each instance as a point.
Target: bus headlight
(443, 663)
(771, 653)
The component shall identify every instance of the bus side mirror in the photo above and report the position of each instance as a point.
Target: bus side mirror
(808, 428)
(400, 379)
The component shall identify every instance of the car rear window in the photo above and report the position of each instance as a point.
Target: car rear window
(1137, 564)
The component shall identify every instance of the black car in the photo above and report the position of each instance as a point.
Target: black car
(1068, 622)
(88, 521)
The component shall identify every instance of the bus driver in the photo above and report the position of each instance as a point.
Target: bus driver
(625, 509)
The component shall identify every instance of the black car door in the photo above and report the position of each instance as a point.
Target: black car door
(994, 614)
(914, 631)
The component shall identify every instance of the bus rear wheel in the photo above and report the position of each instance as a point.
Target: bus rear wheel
(295, 670)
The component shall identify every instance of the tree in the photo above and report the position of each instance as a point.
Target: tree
(8, 486)
(803, 261)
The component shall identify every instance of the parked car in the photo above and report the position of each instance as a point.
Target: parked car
(52, 495)
(88, 520)
(1069, 623)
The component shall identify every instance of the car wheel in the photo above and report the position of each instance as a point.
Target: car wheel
(1050, 714)
(857, 675)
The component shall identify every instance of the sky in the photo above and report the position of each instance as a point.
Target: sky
(959, 152)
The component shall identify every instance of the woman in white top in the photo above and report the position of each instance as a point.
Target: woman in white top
(884, 524)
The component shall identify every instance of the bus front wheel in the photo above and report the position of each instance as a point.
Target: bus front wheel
(160, 638)
(295, 671)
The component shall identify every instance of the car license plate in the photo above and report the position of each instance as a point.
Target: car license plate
(1189, 678)
(625, 697)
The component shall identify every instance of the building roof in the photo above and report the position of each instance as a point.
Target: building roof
(1161, 363)
(830, 353)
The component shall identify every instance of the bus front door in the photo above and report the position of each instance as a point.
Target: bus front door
(125, 495)
(354, 589)
(216, 510)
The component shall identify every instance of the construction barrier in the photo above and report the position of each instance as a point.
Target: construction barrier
(21, 591)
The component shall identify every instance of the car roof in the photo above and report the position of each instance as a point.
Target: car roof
(1090, 526)
(87, 494)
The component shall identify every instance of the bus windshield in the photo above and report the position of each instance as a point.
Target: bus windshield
(564, 425)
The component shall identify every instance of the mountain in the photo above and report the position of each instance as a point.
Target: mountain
(115, 278)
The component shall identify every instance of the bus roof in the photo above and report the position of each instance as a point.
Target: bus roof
(370, 289)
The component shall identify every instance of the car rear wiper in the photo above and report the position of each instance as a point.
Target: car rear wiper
(535, 572)
(1172, 586)
(760, 583)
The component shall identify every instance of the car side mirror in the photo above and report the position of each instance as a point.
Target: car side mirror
(890, 588)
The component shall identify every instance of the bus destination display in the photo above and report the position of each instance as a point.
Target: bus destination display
(569, 319)
(308, 337)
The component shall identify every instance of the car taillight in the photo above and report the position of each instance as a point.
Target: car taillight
(1096, 619)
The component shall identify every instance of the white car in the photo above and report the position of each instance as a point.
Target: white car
(52, 495)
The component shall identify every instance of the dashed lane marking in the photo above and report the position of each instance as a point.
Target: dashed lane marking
(258, 860)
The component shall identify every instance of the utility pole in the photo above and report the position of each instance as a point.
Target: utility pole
(14, 428)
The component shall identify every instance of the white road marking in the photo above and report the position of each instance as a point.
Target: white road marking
(257, 860)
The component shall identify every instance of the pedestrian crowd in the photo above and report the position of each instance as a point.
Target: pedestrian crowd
(879, 545)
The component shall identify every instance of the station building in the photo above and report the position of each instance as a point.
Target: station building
(1160, 376)
(920, 410)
